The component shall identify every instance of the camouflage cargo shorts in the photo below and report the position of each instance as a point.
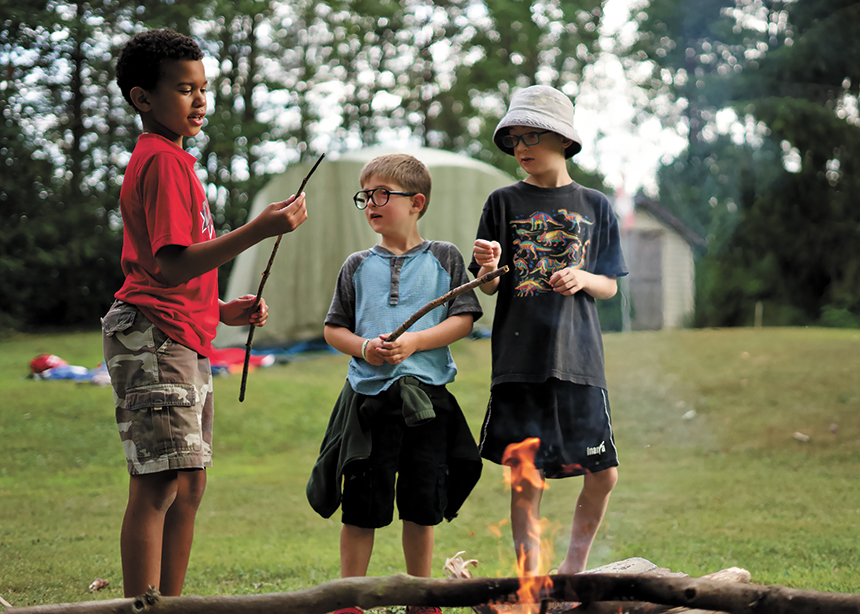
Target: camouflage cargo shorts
(162, 393)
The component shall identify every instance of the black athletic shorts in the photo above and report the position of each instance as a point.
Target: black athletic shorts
(572, 421)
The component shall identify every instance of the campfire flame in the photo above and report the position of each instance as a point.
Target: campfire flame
(520, 458)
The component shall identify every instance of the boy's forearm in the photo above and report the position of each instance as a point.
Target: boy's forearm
(180, 264)
(343, 340)
(445, 333)
(491, 286)
(602, 287)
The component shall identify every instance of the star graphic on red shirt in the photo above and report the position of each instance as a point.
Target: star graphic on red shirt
(207, 227)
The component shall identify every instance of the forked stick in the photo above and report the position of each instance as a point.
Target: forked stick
(256, 306)
(444, 299)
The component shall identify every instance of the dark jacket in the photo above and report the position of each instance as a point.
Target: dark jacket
(348, 438)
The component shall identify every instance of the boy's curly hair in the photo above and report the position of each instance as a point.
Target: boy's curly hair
(409, 172)
(140, 60)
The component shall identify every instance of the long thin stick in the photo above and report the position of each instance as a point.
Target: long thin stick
(250, 341)
(444, 299)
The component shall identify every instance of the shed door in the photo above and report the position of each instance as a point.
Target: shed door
(646, 279)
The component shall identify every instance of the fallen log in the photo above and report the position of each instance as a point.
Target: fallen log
(366, 593)
(407, 590)
(732, 574)
(702, 594)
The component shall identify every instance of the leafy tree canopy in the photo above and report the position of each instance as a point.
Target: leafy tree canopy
(289, 80)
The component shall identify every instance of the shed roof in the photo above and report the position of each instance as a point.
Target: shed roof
(669, 219)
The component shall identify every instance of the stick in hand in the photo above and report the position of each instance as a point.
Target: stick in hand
(444, 299)
(256, 306)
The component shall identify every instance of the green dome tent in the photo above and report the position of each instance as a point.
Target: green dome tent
(304, 273)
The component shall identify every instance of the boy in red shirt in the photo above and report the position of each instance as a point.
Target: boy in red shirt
(158, 334)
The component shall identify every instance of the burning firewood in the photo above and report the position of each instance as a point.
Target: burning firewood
(457, 568)
(605, 593)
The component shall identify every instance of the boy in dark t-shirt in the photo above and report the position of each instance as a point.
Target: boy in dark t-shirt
(562, 244)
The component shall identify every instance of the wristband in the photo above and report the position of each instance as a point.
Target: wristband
(364, 348)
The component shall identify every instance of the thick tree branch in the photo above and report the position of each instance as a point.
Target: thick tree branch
(401, 589)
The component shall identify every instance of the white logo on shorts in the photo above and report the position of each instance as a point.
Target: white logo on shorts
(596, 450)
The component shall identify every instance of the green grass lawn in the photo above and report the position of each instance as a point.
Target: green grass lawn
(727, 485)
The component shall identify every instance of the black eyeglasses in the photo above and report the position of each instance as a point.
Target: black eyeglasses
(379, 196)
(529, 139)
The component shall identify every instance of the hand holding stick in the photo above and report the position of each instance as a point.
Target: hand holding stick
(444, 299)
(256, 306)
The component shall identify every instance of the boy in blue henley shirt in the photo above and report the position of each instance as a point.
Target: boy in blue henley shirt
(395, 422)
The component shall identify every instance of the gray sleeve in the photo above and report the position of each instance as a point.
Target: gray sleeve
(452, 261)
(342, 310)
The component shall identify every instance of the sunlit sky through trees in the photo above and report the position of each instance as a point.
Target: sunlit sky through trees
(620, 141)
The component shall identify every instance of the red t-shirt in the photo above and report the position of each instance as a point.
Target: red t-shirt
(163, 203)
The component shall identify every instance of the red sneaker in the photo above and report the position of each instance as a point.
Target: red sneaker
(351, 610)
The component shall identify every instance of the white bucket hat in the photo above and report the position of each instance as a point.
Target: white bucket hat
(543, 107)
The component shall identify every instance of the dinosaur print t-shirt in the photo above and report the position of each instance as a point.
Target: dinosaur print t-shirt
(538, 333)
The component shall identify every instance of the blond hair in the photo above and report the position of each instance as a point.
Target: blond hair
(407, 171)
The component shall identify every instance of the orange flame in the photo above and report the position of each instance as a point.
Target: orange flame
(520, 458)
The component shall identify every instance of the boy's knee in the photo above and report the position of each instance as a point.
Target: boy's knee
(193, 485)
(601, 482)
(153, 490)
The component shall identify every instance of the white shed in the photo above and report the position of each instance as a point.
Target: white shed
(660, 255)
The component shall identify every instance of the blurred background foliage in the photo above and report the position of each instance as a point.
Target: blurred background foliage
(765, 93)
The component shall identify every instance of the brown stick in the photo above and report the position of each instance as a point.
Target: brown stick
(250, 341)
(444, 299)
(402, 589)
